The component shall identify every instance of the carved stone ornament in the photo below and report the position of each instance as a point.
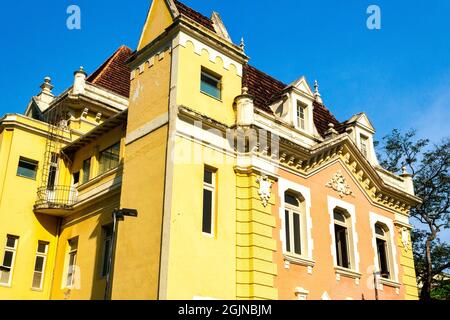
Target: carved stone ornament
(405, 239)
(264, 189)
(339, 184)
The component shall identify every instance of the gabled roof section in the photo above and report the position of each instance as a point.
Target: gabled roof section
(114, 74)
(302, 85)
(362, 119)
(194, 15)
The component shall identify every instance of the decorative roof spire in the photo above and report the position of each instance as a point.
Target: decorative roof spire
(242, 45)
(47, 85)
(317, 95)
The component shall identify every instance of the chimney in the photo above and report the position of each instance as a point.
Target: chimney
(45, 97)
(79, 83)
(245, 113)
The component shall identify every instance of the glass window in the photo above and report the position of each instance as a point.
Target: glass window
(52, 172)
(364, 146)
(39, 265)
(27, 168)
(208, 200)
(107, 243)
(293, 226)
(210, 84)
(86, 170)
(382, 251)
(301, 119)
(72, 259)
(8, 259)
(109, 158)
(342, 240)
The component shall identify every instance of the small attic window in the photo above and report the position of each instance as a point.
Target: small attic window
(364, 145)
(301, 115)
(211, 84)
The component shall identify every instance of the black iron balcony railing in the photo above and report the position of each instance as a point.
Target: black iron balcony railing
(57, 197)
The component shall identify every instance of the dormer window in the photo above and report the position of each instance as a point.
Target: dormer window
(301, 115)
(364, 146)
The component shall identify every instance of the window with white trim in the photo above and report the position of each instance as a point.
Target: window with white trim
(72, 260)
(364, 145)
(211, 84)
(301, 115)
(293, 224)
(342, 239)
(383, 251)
(9, 257)
(39, 265)
(209, 197)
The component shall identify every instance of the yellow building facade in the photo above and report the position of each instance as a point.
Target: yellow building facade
(245, 187)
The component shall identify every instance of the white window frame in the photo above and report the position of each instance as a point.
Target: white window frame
(73, 250)
(301, 109)
(306, 259)
(213, 188)
(353, 235)
(347, 237)
(44, 265)
(291, 209)
(391, 246)
(13, 260)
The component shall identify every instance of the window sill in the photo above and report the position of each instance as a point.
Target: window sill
(5, 285)
(25, 177)
(347, 272)
(390, 283)
(299, 260)
(215, 98)
(37, 290)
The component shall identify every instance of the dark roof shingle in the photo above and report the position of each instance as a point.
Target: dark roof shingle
(114, 73)
(194, 15)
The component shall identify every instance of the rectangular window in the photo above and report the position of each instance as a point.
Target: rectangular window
(39, 265)
(211, 84)
(364, 146)
(72, 258)
(209, 182)
(107, 243)
(301, 115)
(76, 178)
(293, 232)
(383, 258)
(109, 158)
(52, 172)
(86, 170)
(341, 246)
(8, 260)
(27, 168)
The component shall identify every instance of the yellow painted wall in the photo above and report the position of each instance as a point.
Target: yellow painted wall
(158, 19)
(87, 226)
(201, 265)
(188, 85)
(17, 217)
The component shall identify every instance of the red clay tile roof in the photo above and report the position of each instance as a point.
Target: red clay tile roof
(194, 15)
(114, 74)
(265, 88)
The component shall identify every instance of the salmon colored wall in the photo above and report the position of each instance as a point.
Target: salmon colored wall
(323, 277)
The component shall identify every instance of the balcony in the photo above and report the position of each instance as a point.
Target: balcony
(58, 201)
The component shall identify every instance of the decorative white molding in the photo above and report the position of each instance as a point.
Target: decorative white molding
(325, 296)
(301, 293)
(405, 238)
(264, 189)
(339, 184)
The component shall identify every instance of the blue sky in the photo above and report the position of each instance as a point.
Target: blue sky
(399, 75)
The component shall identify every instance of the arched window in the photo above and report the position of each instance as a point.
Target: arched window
(382, 243)
(341, 223)
(293, 224)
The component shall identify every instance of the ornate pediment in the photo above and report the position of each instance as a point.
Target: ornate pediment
(339, 184)
(265, 186)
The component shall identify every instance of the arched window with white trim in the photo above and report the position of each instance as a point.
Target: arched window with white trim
(294, 224)
(383, 250)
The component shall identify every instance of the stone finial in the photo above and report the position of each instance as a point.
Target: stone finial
(244, 90)
(47, 86)
(331, 132)
(79, 83)
(317, 95)
(404, 170)
(242, 44)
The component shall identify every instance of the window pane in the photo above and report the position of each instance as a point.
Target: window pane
(288, 235)
(42, 247)
(297, 242)
(76, 177)
(107, 248)
(339, 216)
(51, 178)
(37, 279)
(210, 85)
(7, 259)
(4, 276)
(207, 211)
(208, 176)
(379, 230)
(39, 265)
(290, 199)
(341, 246)
(86, 170)
(27, 169)
(382, 258)
(109, 158)
(11, 242)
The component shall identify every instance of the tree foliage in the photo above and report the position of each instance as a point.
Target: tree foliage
(429, 166)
